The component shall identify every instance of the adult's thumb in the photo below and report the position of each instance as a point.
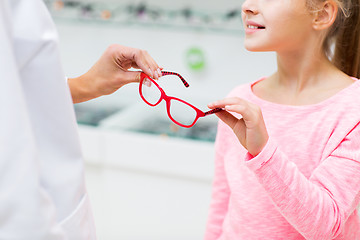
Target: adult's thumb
(131, 76)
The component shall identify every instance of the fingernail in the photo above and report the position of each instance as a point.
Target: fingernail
(159, 71)
(156, 75)
(147, 83)
(151, 74)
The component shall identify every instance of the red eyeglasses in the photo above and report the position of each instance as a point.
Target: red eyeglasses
(179, 111)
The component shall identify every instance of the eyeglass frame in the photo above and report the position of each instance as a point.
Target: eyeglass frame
(167, 99)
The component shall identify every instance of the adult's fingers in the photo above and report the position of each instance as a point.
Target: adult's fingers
(147, 64)
(137, 58)
(130, 76)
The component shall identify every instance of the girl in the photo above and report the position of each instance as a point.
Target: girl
(288, 147)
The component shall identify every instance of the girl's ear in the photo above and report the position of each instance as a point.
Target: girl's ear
(326, 15)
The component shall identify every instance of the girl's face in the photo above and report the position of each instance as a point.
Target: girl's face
(276, 25)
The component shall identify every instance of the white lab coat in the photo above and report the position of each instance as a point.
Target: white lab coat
(42, 190)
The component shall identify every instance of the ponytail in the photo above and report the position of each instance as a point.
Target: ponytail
(347, 40)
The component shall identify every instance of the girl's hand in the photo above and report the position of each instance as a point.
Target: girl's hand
(110, 72)
(250, 129)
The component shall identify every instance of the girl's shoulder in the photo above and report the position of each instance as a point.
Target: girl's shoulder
(349, 96)
(243, 90)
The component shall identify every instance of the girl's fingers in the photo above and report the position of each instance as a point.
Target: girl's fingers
(237, 125)
(241, 109)
(251, 113)
(250, 129)
(226, 101)
(236, 105)
(227, 118)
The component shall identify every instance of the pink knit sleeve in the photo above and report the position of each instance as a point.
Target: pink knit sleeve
(220, 194)
(317, 207)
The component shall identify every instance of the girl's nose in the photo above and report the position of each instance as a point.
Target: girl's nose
(249, 7)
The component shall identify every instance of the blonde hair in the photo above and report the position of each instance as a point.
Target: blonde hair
(342, 43)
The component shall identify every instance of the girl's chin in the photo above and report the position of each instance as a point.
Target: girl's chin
(255, 48)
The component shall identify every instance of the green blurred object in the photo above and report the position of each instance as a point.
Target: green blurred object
(195, 59)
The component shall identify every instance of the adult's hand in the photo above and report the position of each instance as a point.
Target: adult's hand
(111, 72)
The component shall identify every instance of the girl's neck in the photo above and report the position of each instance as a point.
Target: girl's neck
(304, 69)
(302, 78)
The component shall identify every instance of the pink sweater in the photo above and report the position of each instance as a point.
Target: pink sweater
(305, 184)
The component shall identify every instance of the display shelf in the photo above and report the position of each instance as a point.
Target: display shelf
(149, 14)
(142, 138)
(159, 155)
(142, 119)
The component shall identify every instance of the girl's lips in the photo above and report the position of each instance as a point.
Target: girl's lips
(254, 24)
(252, 27)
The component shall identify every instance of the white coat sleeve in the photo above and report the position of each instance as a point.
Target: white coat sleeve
(26, 210)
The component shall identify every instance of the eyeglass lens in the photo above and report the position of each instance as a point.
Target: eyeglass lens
(179, 111)
(150, 91)
(182, 113)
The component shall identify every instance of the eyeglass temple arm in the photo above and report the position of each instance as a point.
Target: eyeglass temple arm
(186, 84)
(212, 111)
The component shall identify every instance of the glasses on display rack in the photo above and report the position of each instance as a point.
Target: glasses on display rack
(179, 111)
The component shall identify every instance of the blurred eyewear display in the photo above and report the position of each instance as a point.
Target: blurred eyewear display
(179, 111)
